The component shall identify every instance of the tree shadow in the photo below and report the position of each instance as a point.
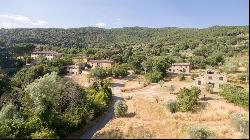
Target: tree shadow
(118, 85)
(130, 114)
(206, 98)
(199, 107)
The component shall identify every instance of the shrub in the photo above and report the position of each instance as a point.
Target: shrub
(187, 98)
(201, 133)
(235, 95)
(181, 76)
(240, 123)
(171, 89)
(120, 108)
(209, 88)
(44, 134)
(172, 106)
(231, 66)
(161, 82)
(193, 76)
(154, 77)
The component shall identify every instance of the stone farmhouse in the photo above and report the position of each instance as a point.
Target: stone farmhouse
(47, 54)
(177, 68)
(74, 69)
(215, 79)
(101, 63)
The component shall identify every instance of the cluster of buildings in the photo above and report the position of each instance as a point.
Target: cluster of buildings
(83, 63)
(206, 77)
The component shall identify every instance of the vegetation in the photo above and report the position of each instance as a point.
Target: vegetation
(187, 98)
(201, 133)
(154, 77)
(117, 71)
(171, 89)
(241, 123)
(172, 106)
(52, 107)
(120, 108)
(235, 95)
(35, 102)
(209, 88)
(181, 76)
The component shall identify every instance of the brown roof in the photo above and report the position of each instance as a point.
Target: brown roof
(181, 64)
(101, 61)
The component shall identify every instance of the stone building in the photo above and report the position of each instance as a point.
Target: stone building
(210, 77)
(47, 54)
(101, 63)
(179, 68)
(74, 69)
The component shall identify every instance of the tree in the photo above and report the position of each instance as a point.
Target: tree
(187, 98)
(98, 73)
(120, 108)
(235, 95)
(154, 76)
(4, 83)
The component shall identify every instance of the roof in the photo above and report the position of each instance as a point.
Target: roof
(101, 61)
(46, 52)
(181, 64)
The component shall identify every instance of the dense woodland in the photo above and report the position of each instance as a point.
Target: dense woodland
(37, 102)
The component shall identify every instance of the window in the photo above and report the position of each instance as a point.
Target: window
(174, 70)
(210, 77)
(199, 82)
(221, 78)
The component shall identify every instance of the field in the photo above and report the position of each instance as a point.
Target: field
(148, 118)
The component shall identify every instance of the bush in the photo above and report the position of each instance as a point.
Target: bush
(209, 88)
(154, 77)
(181, 76)
(201, 133)
(120, 108)
(171, 89)
(187, 98)
(240, 123)
(193, 76)
(172, 106)
(235, 95)
(44, 134)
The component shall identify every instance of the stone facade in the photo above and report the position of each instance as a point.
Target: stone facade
(101, 63)
(47, 54)
(215, 79)
(179, 68)
(74, 69)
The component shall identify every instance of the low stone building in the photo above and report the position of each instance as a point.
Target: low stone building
(47, 54)
(101, 63)
(179, 68)
(210, 77)
(74, 69)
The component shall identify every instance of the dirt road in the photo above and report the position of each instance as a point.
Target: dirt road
(109, 114)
